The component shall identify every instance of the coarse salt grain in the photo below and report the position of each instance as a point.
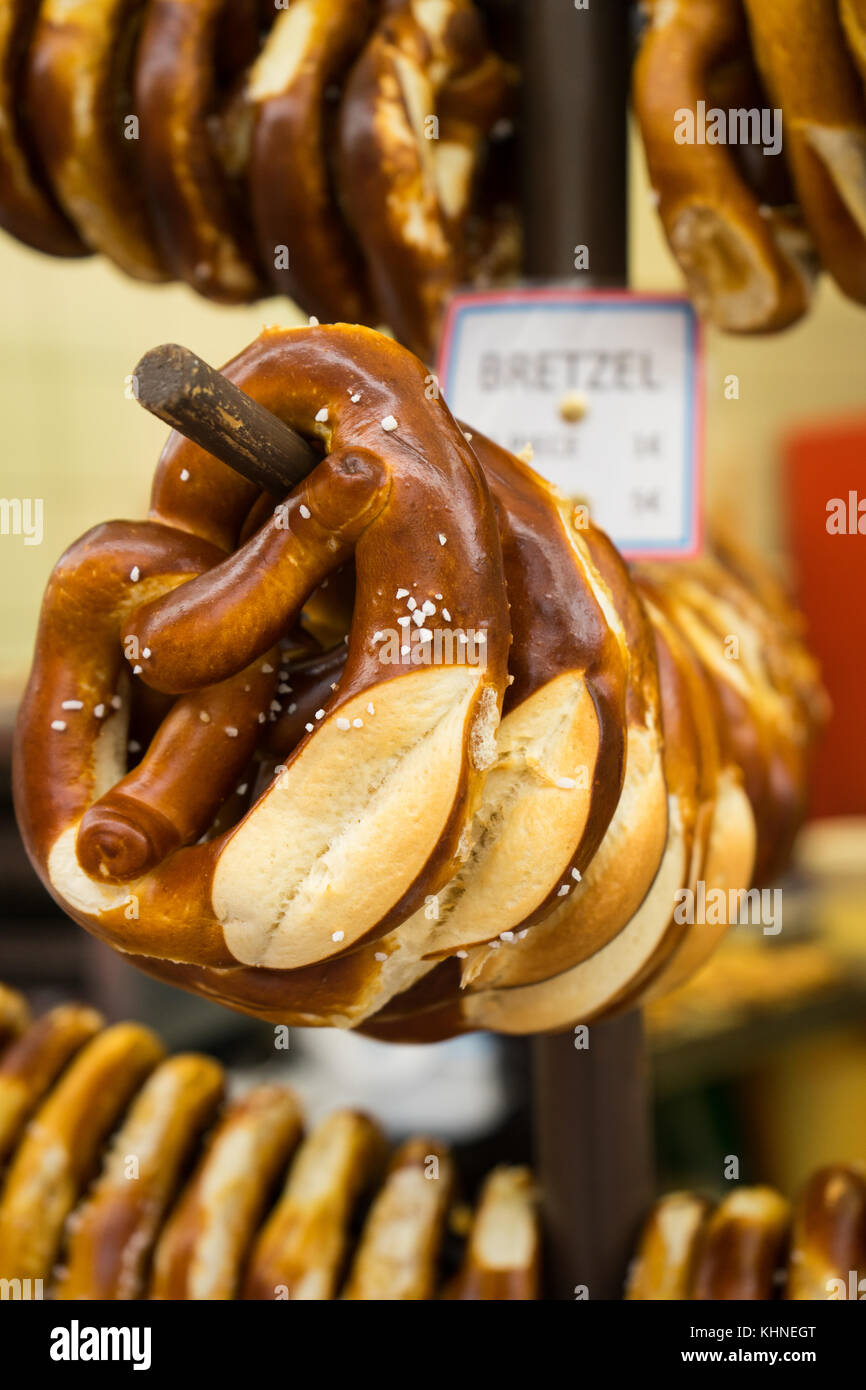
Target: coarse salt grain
(320, 714)
(380, 956)
(135, 574)
(184, 475)
(145, 651)
(425, 636)
(231, 731)
(305, 511)
(443, 540)
(72, 704)
(267, 669)
(343, 724)
(99, 711)
(446, 615)
(322, 415)
(402, 593)
(337, 935)
(137, 670)
(204, 716)
(371, 708)
(566, 783)
(564, 890)
(116, 702)
(389, 424)
(59, 725)
(309, 728)
(357, 723)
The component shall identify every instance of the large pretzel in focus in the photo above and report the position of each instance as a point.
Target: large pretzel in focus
(366, 818)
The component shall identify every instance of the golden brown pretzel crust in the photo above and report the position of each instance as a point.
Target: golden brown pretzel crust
(669, 1243)
(14, 1014)
(828, 1243)
(301, 1250)
(807, 69)
(747, 264)
(79, 72)
(742, 1247)
(206, 1240)
(407, 184)
(196, 214)
(31, 1065)
(295, 207)
(28, 209)
(503, 1254)
(112, 1234)
(398, 1255)
(62, 1143)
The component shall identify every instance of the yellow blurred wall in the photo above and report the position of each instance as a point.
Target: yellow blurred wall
(72, 331)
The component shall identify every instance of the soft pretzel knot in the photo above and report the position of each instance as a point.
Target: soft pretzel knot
(478, 807)
(367, 814)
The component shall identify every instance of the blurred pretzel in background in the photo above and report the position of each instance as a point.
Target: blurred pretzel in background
(756, 1245)
(750, 226)
(331, 150)
(126, 1175)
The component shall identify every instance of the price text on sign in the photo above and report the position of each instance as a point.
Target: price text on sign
(607, 388)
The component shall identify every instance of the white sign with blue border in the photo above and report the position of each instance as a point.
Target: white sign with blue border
(607, 389)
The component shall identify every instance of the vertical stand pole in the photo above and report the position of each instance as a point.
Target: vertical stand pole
(591, 1110)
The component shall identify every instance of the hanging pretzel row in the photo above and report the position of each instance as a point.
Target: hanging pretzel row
(750, 220)
(478, 807)
(329, 150)
(755, 1246)
(126, 1175)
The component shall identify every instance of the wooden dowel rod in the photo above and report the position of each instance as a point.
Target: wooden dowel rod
(198, 401)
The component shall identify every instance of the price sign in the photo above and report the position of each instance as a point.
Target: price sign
(607, 389)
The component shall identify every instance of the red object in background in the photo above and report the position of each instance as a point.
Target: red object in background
(823, 463)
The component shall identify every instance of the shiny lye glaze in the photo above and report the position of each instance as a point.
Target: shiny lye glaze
(475, 805)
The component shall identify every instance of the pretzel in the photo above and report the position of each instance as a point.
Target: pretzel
(853, 16)
(742, 1246)
(112, 1234)
(203, 1247)
(503, 1254)
(807, 69)
(748, 263)
(200, 905)
(293, 200)
(828, 1243)
(518, 874)
(408, 195)
(61, 1146)
(301, 1250)
(398, 1254)
(14, 1014)
(195, 202)
(662, 1267)
(78, 72)
(28, 208)
(32, 1064)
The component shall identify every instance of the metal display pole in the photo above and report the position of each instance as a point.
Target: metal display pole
(591, 1109)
